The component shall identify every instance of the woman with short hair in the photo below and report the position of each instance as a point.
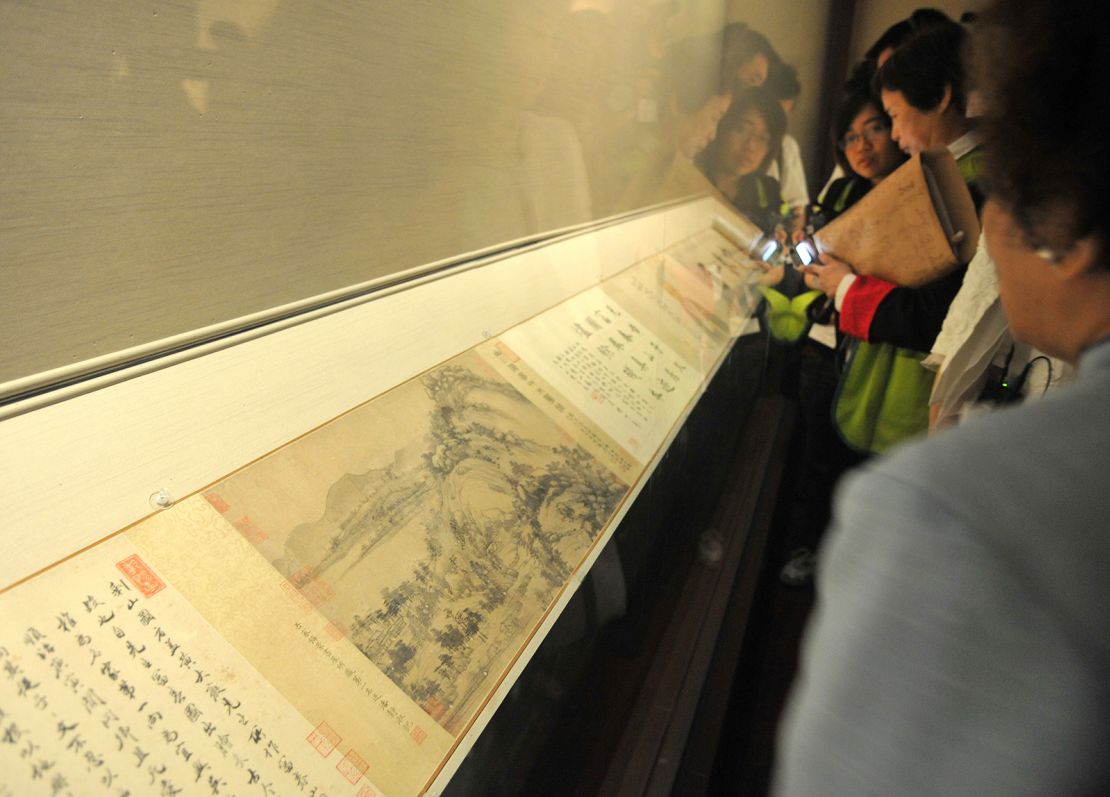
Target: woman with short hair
(960, 643)
(884, 393)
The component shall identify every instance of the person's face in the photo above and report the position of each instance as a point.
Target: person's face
(753, 72)
(1025, 280)
(914, 130)
(700, 127)
(746, 146)
(868, 146)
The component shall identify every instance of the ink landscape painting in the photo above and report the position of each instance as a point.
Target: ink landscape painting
(433, 526)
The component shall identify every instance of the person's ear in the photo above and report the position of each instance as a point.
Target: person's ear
(945, 99)
(1082, 258)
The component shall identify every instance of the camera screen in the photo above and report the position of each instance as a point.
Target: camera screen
(806, 253)
(769, 250)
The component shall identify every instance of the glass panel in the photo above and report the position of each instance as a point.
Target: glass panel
(171, 167)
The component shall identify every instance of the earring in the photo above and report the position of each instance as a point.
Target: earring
(1050, 255)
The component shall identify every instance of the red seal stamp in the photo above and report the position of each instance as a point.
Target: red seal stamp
(352, 767)
(302, 576)
(367, 791)
(315, 590)
(505, 351)
(318, 592)
(249, 530)
(139, 574)
(296, 596)
(435, 707)
(418, 734)
(218, 503)
(324, 739)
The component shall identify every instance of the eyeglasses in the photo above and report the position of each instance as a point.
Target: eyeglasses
(871, 131)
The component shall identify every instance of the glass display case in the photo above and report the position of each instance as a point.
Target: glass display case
(360, 596)
(615, 687)
(384, 408)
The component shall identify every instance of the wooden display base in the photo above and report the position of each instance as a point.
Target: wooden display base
(676, 721)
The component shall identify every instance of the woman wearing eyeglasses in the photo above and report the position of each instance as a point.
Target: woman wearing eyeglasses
(865, 150)
(867, 154)
(960, 644)
(884, 392)
(748, 138)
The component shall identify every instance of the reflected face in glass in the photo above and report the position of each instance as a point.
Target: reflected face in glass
(868, 146)
(699, 128)
(914, 130)
(753, 72)
(745, 147)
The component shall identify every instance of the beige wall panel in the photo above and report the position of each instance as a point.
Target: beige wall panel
(875, 16)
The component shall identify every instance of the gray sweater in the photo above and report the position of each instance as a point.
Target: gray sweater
(961, 642)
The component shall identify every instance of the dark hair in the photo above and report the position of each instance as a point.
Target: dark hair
(763, 102)
(860, 78)
(920, 20)
(740, 44)
(1041, 65)
(924, 65)
(782, 81)
(851, 104)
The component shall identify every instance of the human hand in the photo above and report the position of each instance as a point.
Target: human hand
(772, 275)
(826, 278)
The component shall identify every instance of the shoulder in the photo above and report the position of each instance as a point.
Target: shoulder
(844, 192)
(972, 165)
(1067, 433)
(958, 647)
(838, 185)
(757, 185)
(1028, 484)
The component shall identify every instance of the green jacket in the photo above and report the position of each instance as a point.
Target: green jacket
(883, 396)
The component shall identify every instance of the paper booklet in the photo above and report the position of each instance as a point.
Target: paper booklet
(903, 229)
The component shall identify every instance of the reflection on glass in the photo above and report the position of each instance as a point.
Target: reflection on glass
(172, 168)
